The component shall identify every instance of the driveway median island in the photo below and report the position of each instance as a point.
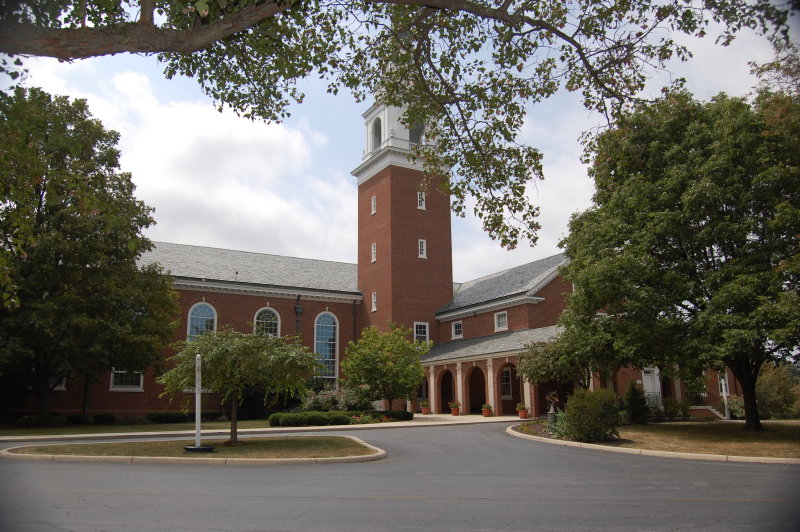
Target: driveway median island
(268, 450)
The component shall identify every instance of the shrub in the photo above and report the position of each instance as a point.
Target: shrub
(559, 428)
(132, 420)
(592, 416)
(296, 419)
(169, 417)
(320, 401)
(338, 418)
(635, 404)
(275, 419)
(211, 415)
(77, 419)
(774, 392)
(34, 420)
(671, 408)
(736, 406)
(104, 419)
(685, 409)
(317, 418)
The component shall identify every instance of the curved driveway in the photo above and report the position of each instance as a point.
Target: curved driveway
(468, 477)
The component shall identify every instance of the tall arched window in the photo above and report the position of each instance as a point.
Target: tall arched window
(377, 134)
(202, 318)
(268, 321)
(326, 344)
(415, 134)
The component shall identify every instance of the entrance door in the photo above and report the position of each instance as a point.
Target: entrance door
(652, 386)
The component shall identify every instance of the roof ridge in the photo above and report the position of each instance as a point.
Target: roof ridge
(254, 253)
(495, 274)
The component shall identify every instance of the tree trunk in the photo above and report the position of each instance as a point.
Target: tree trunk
(234, 420)
(747, 373)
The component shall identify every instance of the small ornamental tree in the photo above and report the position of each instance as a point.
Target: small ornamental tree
(592, 416)
(385, 365)
(235, 362)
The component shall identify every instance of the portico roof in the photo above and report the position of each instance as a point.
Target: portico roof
(487, 346)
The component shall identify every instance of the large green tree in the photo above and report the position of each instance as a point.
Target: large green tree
(81, 303)
(468, 70)
(690, 255)
(385, 365)
(235, 363)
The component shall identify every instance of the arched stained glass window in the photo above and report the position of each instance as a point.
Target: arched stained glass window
(326, 344)
(268, 321)
(202, 318)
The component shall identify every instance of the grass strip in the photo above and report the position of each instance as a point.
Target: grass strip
(270, 447)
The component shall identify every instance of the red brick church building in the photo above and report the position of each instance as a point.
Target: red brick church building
(403, 275)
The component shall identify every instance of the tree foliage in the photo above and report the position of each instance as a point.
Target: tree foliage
(691, 248)
(234, 363)
(70, 238)
(385, 365)
(467, 70)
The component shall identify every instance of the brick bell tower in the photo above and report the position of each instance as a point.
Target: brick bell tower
(405, 258)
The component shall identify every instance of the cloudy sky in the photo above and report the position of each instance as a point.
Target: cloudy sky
(221, 181)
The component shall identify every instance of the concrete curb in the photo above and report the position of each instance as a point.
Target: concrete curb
(378, 454)
(663, 454)
(432, 421)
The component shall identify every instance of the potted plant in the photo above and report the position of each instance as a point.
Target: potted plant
(486, 409)
(522, 410)
(426, 407)
(455, 408)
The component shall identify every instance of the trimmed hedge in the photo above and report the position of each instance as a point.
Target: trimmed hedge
(34, 420)
(592, 416)
(635, 404)
(77, 419)
(316, 418)
(105, 419)
(169, 417)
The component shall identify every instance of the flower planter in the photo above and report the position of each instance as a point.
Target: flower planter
(455, 411)
(425, 410)
(523, 414)
(487, 412)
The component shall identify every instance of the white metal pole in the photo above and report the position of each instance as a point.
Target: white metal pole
(197, 401)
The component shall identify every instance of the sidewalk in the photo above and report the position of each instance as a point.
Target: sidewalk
(419, 421)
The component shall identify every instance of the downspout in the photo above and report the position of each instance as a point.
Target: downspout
(298, 311)
(355, 329)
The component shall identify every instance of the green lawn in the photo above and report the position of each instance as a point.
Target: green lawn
(146, 427)
(271, 447)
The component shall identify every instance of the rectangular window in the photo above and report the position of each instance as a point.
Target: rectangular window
(420, 331)
(126, 381)
(373, 205)
(505, 383)
(421, 200)
(374, 251)
(423, 249)
(374, 301)
(458, 331)
(501, 321)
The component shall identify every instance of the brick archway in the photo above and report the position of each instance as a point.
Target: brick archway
(475, 393)
(447, 390)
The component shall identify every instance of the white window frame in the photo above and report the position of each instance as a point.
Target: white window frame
(497, 317)
(460, 334)
(189, 317)
(277, 318)
(374, 301)
(422, 248)
(336, 344)
(427, 331)
(505, 380)
(126, 387)
(374, 251)
(421, 200)
(373, 205)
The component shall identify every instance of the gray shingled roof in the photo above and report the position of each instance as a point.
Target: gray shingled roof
(488, 345)
(198, 262)
(519, 280)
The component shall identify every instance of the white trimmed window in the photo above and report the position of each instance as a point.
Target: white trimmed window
(202, 319)
(458, 330)
(374, 301)
(326, 344)
(374, 251)
(126, 381)
(422, 249)
(421, 331)
(267, 321)
(505, 383)
(421, 200)
(373, 205)
(501, 321)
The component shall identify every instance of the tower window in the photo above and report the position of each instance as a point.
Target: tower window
(373, 207)
(377, 135)
(421, 200)
(420, 331)
(501, 321)
(422, 248)
(415, 134)
(374, 251)
(374, 301)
